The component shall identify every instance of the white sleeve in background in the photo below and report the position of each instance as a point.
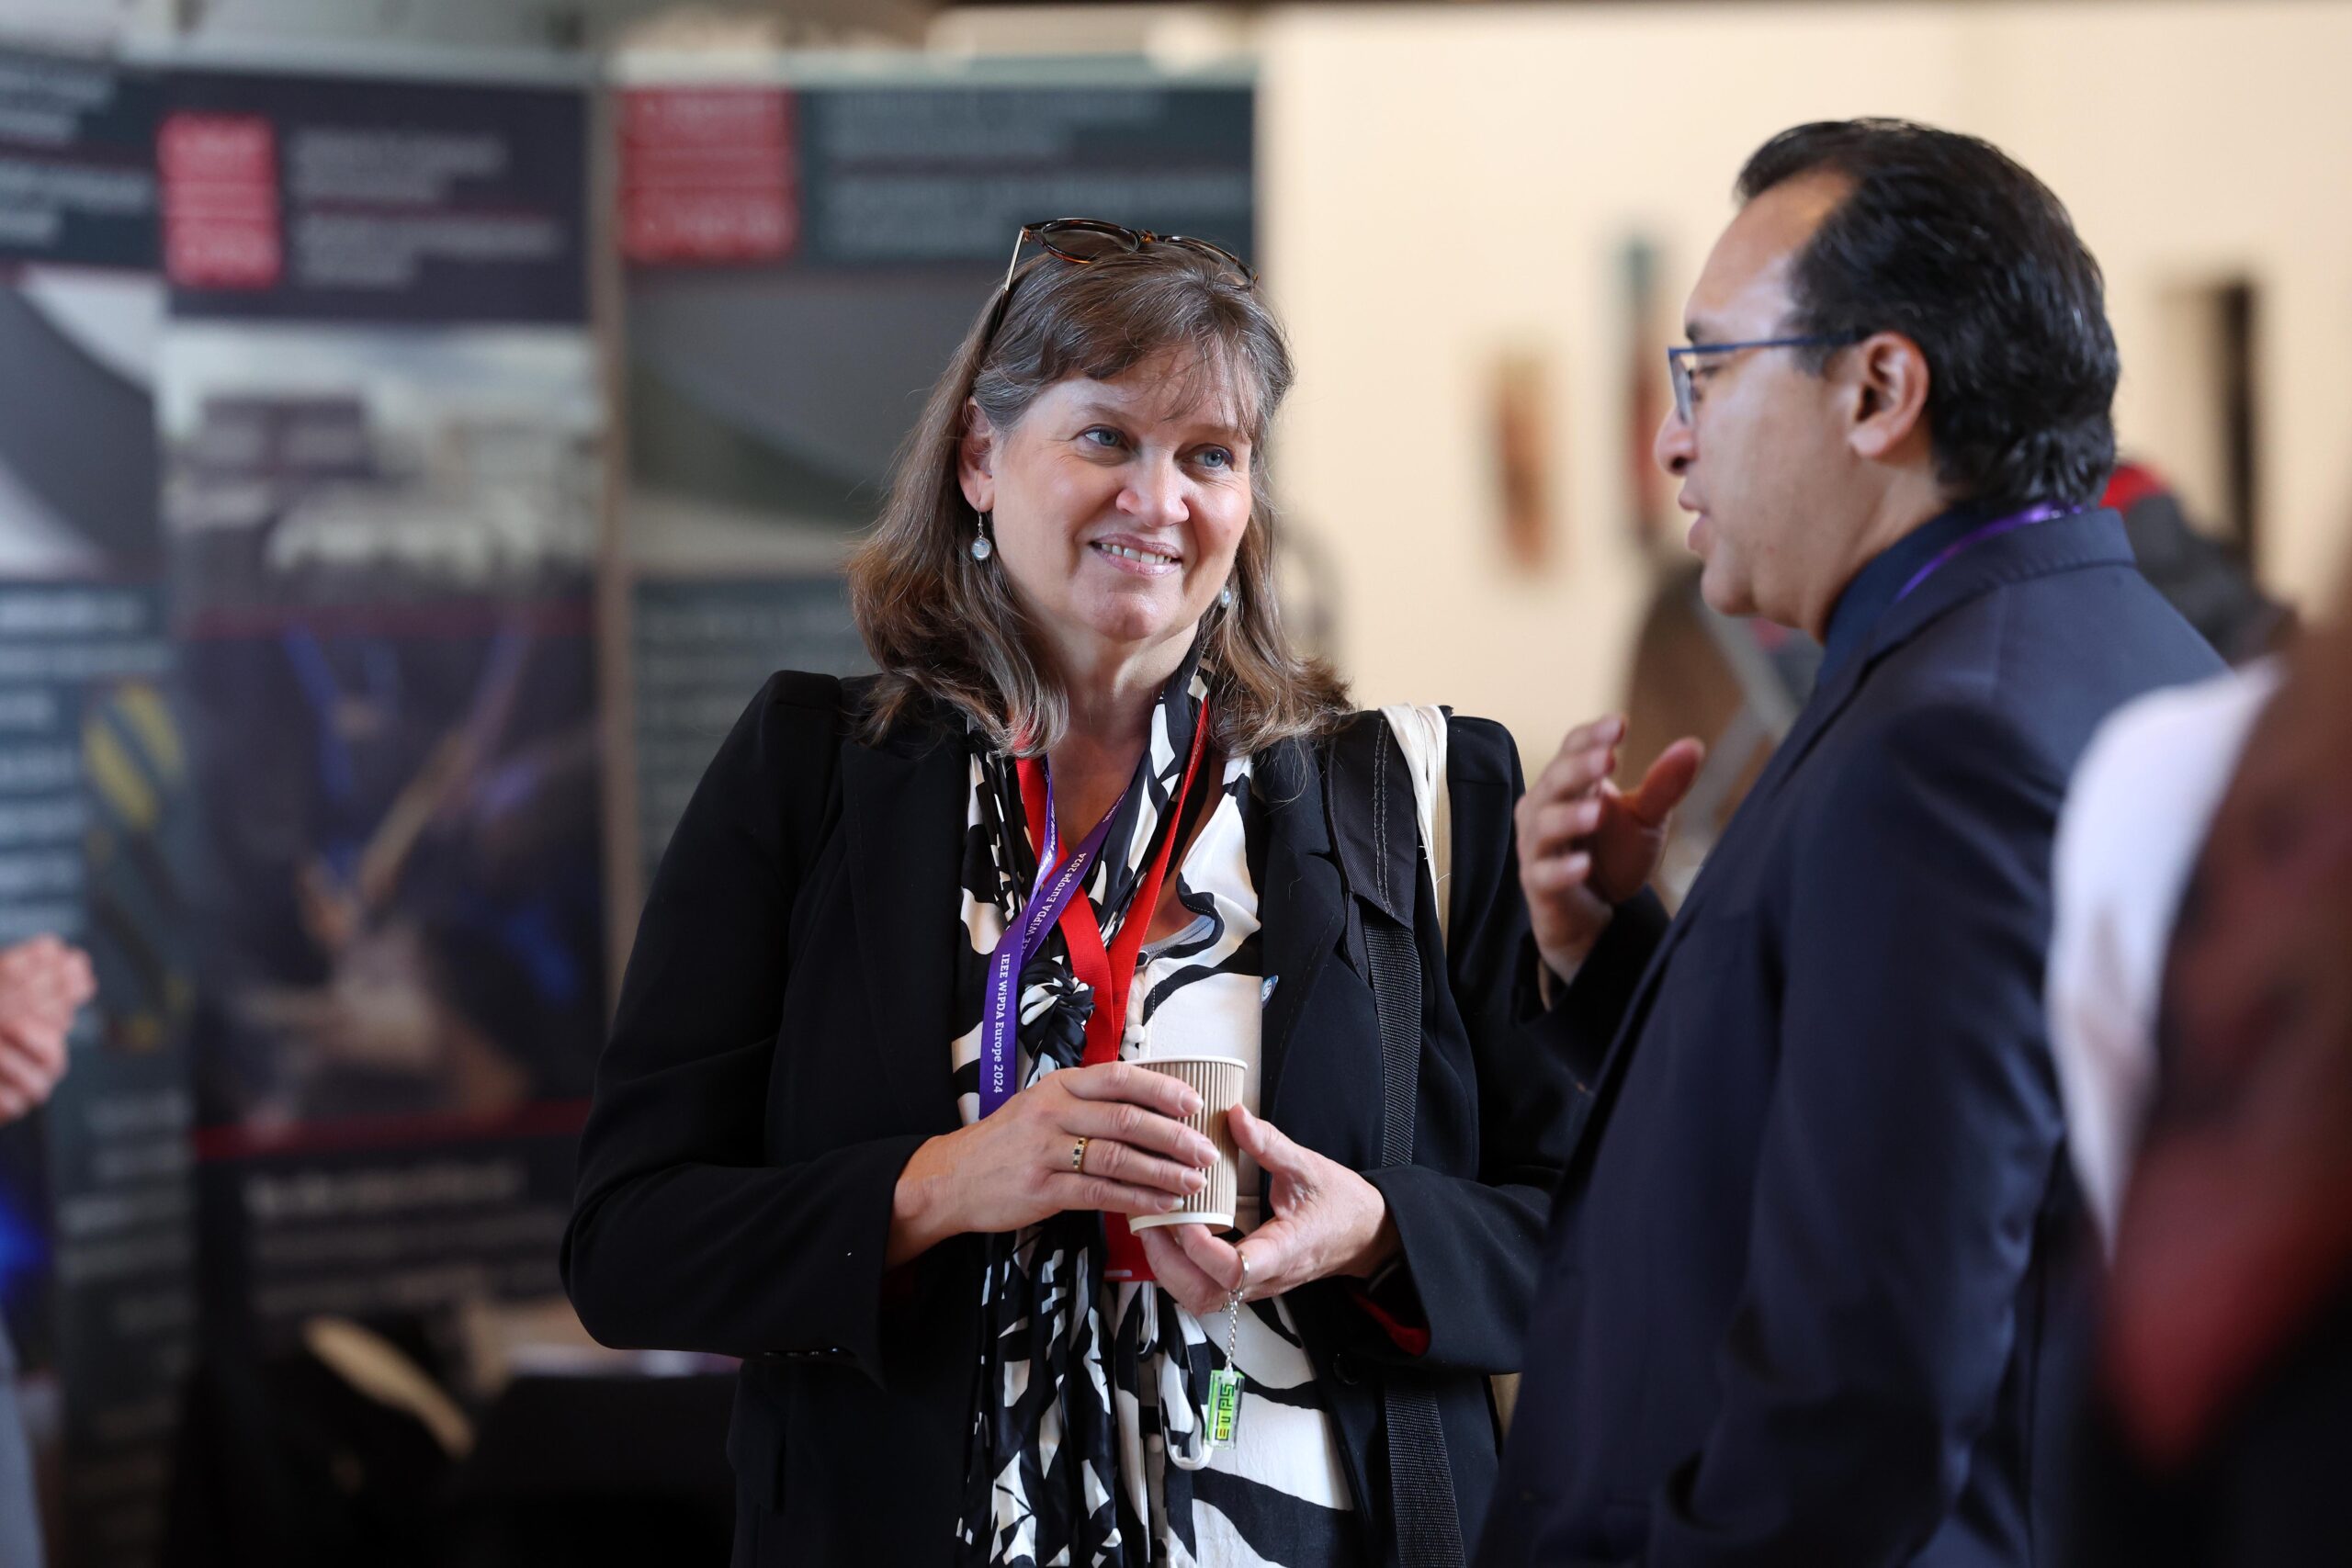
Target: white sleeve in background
(2134, 822)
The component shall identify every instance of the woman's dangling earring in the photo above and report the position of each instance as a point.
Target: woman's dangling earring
(1225, 597)
(981, 547)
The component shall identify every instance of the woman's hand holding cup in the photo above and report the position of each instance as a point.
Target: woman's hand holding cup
(1014, 1167)
(1327, 1220)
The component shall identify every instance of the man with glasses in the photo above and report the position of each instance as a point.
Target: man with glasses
(1797, 1306)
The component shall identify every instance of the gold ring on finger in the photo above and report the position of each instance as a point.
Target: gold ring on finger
(1078, 1157)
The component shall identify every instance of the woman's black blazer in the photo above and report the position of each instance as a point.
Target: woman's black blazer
(781, 1047)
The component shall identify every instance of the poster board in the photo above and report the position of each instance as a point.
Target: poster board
(383, 436)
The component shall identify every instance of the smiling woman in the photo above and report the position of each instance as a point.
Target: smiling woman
(893, 1067)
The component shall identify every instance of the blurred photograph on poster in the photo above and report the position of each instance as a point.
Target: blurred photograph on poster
(404, 918)
(322, 466)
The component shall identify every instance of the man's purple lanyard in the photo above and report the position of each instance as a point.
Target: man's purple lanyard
(1001, 1007)
(2045, 513)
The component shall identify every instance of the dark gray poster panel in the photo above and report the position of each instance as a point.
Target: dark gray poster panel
(94, 817)
(94, 823)
(77, 167)
(95, 1239)
(383, 432)
(702, 646)
(898, 176)
(802, 263)
(79, 309)
(340, 198)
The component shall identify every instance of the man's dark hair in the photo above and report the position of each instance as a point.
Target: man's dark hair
(1945, 238)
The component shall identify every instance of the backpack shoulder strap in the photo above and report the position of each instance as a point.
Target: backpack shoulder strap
(1368, 796)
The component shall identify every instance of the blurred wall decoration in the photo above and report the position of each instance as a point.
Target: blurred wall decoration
(1650, 322)
(1520, 405)
(383, 448)
(805, 249)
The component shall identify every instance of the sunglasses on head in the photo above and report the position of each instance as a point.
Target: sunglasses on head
(1083, 239)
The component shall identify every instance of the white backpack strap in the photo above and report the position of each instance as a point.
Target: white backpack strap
(1420, 735)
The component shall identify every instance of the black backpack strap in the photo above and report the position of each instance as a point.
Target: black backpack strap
(1375, 829)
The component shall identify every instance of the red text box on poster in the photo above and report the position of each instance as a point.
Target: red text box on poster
(220, 196)
(708, 175)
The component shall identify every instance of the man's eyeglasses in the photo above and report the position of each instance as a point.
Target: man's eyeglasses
(1083, 239)
(1679, 360)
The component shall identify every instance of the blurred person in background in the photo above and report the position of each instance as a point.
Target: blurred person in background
(871, 1115)
(2222, 1423)
(43, 983)
(2136, 817)
(2203, 578)
(1795, 1310)
(1736, 682)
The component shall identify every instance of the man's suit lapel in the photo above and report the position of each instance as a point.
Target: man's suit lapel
(2063, 544)
(2091, 538)
(903, 803)
(1300, 903)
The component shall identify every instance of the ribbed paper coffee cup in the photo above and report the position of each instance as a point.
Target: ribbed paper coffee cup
(1218, 1081)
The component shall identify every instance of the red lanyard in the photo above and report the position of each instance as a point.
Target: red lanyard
(1112, 975)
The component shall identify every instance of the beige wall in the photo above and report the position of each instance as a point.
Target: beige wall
(2215, 138)
(1444, 183)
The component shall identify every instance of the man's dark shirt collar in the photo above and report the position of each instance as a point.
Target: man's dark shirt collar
(1874, 588)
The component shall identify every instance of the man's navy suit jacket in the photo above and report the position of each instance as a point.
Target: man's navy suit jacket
(1797, 1300)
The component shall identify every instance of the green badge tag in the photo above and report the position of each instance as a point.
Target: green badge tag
(1225, 1405)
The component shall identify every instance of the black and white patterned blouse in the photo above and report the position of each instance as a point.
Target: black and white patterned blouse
(1085, 1443)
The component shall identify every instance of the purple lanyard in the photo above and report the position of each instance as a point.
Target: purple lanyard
(2046, 512)
(1019, 944)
